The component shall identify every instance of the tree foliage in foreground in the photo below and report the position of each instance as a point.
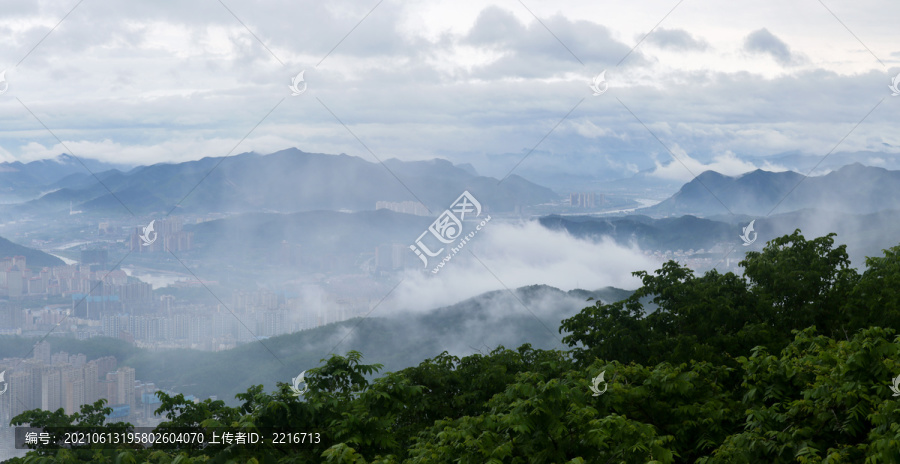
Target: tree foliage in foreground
(791, 362)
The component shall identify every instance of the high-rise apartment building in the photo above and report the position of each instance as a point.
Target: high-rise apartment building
(91, 382)
(167, 235)
(583, 200)
(20, 391)
(73, 389)
(51, 389)
(125, 386)
(42, 352)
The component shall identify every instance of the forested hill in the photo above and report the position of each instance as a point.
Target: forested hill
(33, 258)
(398, 341)
(794, 361)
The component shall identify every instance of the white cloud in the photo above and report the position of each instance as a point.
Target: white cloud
(174, 81)
(686, 168)
(517, 255)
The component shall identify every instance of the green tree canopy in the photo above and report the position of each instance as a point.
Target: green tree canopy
(792, 362)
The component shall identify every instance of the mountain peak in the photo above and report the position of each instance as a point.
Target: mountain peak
(710, 174)
(755, 172)
(857, 166)
(65, 158)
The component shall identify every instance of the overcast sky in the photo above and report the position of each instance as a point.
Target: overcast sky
(470, 81)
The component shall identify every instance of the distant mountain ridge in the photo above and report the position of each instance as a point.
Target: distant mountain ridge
(286, 181)
(30, 179)
(797, 161)
(864, 234)
(851, 189)
(685, 232)
(47, 171)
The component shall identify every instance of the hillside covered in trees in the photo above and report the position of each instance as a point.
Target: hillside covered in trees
(791, 362)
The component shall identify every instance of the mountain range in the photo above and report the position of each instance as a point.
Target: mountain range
(865, 235)
(851, 189)
(285, 181)
(297, 198)
(22, 181)
(620, 166)
(291, 180)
